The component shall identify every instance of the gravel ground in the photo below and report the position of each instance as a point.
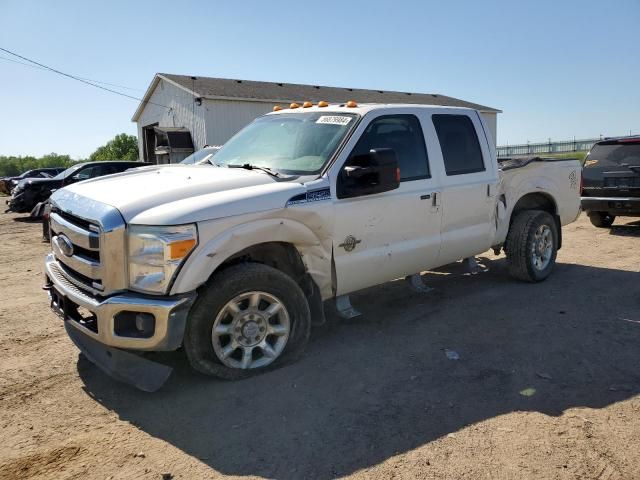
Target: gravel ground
(547, 384)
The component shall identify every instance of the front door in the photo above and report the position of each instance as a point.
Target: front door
(388, 235)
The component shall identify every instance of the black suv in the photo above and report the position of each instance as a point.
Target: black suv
(30, 192)
(611, 180)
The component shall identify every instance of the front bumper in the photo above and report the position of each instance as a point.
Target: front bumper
(170, 313)
(124, 366)
(612, 205)
(20, 203)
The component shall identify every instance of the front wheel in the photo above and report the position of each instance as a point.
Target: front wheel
(532, 245)
(248, 319)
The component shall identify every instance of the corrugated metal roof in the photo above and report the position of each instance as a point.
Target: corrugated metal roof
(208, 87)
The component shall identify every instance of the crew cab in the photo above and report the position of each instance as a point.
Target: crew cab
(31, 191)
(611, 183)
(233, 261)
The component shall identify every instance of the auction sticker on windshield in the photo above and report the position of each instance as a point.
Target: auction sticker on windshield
(334, 119)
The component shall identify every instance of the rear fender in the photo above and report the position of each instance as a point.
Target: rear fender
(513, 194)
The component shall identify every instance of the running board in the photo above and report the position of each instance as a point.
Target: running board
(473, 267)
(417, 284)
(345, 309)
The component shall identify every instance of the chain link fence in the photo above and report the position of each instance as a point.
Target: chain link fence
(565, 146)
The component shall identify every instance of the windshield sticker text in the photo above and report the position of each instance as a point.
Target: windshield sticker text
(334, 120)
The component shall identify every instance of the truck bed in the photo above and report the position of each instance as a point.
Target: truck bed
(509, 163)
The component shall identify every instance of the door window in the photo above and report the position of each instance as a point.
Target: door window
(403, 134)
(459, 144)
(86, 173)
(109, 169)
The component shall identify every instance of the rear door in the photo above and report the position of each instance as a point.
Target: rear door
(612, 169)
(468, 184)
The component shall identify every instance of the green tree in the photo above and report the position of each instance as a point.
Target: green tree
(10, 165)
(122, 147)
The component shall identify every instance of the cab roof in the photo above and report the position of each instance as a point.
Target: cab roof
(364, 108)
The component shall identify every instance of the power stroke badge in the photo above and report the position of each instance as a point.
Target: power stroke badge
(350, 243)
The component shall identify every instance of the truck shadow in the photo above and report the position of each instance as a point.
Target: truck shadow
(27, 219)
(379, 385)
(631, 229)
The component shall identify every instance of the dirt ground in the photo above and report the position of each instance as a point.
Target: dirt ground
(547, 384)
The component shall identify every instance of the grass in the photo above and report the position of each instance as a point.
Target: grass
(579, 155)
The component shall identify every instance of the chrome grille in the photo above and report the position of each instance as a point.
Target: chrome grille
(84, 263)
(92, 256)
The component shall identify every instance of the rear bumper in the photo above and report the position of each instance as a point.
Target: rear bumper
(613, 205)
(170, 313)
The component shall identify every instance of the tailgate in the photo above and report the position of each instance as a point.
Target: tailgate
(612, 169)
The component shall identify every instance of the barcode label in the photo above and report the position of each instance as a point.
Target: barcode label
(334, 120)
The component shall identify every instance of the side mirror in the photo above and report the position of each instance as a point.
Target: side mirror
(373, 172)
(75, 178)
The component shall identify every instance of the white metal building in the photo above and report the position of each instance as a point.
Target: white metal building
(180, 113)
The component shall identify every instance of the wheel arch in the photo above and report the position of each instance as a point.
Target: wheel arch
(285, 244)
(537, 200)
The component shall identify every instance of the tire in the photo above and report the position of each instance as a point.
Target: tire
(221, 302)
(601, 219)
(532, 246)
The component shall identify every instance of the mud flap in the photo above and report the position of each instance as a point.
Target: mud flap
(37, 211)
(126, 367)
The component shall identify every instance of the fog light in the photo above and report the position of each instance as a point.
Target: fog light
(134, 324)
(145, 322)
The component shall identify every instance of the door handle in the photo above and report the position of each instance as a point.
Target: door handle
(425, 197)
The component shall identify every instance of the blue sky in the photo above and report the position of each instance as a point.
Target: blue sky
(556, 68)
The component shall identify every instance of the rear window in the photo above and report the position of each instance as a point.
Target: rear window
(603, 154)
(459, 144)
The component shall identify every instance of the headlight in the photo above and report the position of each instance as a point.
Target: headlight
(156, 253)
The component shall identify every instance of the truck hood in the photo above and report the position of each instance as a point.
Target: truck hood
(42, 183)
(176, 194)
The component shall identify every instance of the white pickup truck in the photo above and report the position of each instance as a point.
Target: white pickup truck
(232, 261)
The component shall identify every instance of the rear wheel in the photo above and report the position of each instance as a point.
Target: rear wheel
(532, 245)
(601, 219)
(248, 319)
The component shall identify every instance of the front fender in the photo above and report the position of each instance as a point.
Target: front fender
(315, 254)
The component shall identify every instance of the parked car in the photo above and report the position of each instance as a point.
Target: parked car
(611, 180)
(7, 184)
(201, 156)
(234, 264)
(29, 192)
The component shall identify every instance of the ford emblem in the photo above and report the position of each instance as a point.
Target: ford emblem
(64, 244)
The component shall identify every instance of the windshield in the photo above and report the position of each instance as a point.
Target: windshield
(200, 156)
(615, 154)
(67, 172)
(294, 143)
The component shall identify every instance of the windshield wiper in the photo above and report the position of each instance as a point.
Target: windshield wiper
(248, 166)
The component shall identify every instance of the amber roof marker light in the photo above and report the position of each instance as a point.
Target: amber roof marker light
(294, 105)
(276, 108)
(352, 104)
(307, 105)
(323, 104)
